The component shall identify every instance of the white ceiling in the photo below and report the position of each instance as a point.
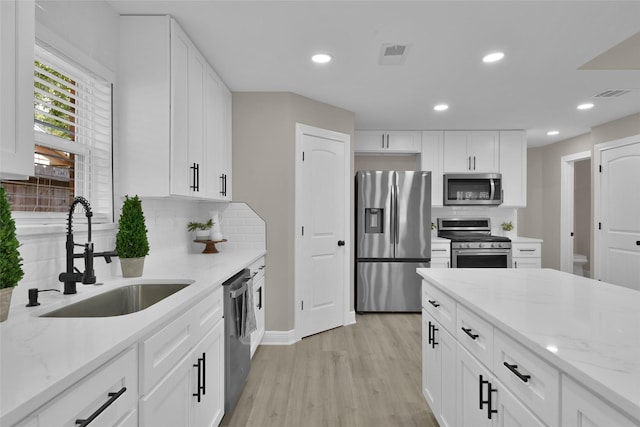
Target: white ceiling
(266, 46)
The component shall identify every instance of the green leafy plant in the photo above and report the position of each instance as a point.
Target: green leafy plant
(193, 226)
(433, 226)
(10, 260)
(131, 240)
(507, 226)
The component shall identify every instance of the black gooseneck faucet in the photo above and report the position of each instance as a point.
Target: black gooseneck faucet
(73, 275)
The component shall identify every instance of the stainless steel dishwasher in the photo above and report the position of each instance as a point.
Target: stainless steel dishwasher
(237, 351)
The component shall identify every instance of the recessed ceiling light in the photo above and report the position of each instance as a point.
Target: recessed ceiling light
(585, 106)
(493, 57)
(441, 107)
(321, 58)
(553, 132)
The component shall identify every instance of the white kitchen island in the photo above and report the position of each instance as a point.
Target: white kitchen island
(529, 347)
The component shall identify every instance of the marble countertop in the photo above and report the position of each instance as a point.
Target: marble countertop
(41, 357)
(589, 330)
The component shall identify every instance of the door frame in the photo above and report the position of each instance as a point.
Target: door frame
(566, 207)
(598, 150)
(302, 130)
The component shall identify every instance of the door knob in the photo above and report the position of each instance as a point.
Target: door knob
(340, 242)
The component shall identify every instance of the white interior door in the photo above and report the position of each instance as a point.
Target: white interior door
(322, 226)
(619, 207)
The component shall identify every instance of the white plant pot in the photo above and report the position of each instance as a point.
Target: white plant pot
(202, 234)
(132, 267)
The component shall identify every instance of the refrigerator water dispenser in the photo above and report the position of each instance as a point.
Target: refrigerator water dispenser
(373, 220)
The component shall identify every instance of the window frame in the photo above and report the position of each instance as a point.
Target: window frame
(43, 222)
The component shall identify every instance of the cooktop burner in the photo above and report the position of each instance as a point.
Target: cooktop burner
(471, 233)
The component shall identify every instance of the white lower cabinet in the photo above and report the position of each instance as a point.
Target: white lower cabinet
(192, 394)
(526, 255)
(107, 397)
(440, 254)
(258, 273)
(438, 370)
(485, 401)
(581, 408)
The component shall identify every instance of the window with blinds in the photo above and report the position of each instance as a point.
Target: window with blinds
(73, 141)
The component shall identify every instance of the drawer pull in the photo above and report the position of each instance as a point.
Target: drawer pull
(434, 303)
(514, 370)
(468, 332)
(112, 398)
(527, 250)
(438, 250)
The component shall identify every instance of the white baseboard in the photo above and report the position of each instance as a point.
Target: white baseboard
(289, 337)
(350, 318)
(279, 337)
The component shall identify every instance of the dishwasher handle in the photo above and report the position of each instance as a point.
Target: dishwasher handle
(238, 292)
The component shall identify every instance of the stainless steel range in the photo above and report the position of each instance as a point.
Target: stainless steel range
(472, 245)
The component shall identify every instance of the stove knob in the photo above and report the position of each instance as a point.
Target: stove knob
(467, 245)
(481, 245)
(496, 245)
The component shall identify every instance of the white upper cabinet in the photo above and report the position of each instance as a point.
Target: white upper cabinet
(513, 167)
(388, 142)
(17, 27)
(471, 151)
(173, 118)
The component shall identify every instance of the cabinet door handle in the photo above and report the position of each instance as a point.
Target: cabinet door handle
(222, 184)
(199, 366)
(469, 168)
(448, 265)
(514, 370)
(387, 140)
(468, 332)
(434, 303)
(260, 299)
(196, 177)
(204, 375)
(474, 162)
(515, 264)
(112, 398)
(433, 340)
(490, 390)
(383, 140)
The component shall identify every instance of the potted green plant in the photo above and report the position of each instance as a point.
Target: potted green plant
(132, 243)
(201, 229)
(434, 230)
(507, 228)
(10, 260)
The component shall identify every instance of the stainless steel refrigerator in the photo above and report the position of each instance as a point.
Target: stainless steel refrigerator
(393, 238)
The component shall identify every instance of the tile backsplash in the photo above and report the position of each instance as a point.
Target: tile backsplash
(43, 247)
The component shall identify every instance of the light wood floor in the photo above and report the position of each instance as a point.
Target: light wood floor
(367, 374)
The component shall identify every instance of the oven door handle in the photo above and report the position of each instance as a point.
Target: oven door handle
(481, 252)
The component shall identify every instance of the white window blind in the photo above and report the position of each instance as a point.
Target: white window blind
(73, 135)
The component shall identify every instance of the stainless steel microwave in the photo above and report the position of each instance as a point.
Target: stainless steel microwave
(470, 189)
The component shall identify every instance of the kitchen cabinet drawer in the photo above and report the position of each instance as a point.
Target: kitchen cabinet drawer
(440, 306)
(119, 377)
(475, 334)
(161, 352)
(526, 250)
(440, 250)
(529, 378)
(582, 408)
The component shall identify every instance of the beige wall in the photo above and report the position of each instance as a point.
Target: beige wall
(263, 176)
(541, 217)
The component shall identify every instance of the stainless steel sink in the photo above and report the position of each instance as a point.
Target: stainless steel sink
(124, 300)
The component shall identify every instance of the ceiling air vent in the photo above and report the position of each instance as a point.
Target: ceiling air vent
(611, 93)
(393, 54)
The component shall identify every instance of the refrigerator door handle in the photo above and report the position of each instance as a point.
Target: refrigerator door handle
(396, 223)
(392, 217)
